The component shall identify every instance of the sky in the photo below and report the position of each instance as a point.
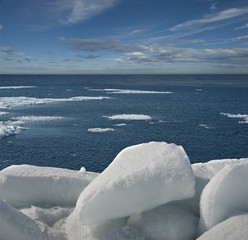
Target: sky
(123, 36)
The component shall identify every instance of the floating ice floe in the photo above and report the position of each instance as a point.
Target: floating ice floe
(140, 178)
(224, 196)
(16, 87)
(129, 117)
(97, 130)
(16, 225)
(25, 184)
(4, 113)
(230, 229)
(128, 91)
(204, 126)
(26, 119)
(120, 124)
(239, 116)
(10, 102)
(9, 130)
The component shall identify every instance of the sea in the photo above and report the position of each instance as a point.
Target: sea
(74, 121)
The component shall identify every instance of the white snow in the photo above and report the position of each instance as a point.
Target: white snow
(17, 87)
(15, 225)
(239, 116)
(128, 91)
(224, 196)
(129, 117)
(26, 119)
(10, 102)
(140, 178)
(25, 184)
(97, 130)
(230, 229)
(165, 222)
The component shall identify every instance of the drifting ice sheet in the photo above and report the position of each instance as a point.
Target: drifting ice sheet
(129, 117)
(140, 178)
(25, 184)
(224, 196)
(15, 225)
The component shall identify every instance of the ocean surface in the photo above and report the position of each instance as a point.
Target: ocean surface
(70, 121)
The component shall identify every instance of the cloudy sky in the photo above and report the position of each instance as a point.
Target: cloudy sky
(123, 36)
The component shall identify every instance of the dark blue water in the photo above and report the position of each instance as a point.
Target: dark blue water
(190, 116)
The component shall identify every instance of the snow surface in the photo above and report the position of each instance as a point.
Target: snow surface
(224, 196)
(241, 116)
(100, 130)
(25, 184)
(165, 222)
(140, 178)
(129, 117)
(16, 225)
(10, 102)
(234, 228)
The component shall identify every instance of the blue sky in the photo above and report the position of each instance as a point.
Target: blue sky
(123, 36)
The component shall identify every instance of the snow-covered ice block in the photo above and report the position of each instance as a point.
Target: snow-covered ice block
(140, 178)
(230, 229)
(224, 196)
(165, 222)
(203, 173)
(16, 225)
(26, 184)
(109, 230)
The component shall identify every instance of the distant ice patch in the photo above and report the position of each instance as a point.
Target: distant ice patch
(129, 117)
(17, 87)
(241, 116)
(204, 126)
(120, 124)
(128, 91)
(9, 130)
(100, 130)
(10, 102)
(25, 119)
(4, 113)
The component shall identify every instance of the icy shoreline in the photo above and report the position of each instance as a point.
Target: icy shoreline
(149, 191)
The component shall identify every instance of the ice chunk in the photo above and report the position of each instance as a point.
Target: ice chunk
(203, 173)
(16, 225)
(8, 129)
(129, 117)
(230, 229)
(109, 230)
(16, 87)
(140, 178)
(97, 130)
(25, 119)
(224, 196)
(165, 222)
(25, 184)
(239, 116)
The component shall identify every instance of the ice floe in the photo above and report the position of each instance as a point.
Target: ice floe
(129, 117)
(120, 124)
(239, 116)
(97, 130)
(26, 119)
(25, 184)
(128, 91)
(10, 102)
(16, 87)
(8, 129)
(4, 113)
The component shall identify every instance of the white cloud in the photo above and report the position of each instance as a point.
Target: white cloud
(242, 27)
(137, 32)
(1, 27)
(213, 6)
(9, 51)
(212, 18)
(80, 10)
